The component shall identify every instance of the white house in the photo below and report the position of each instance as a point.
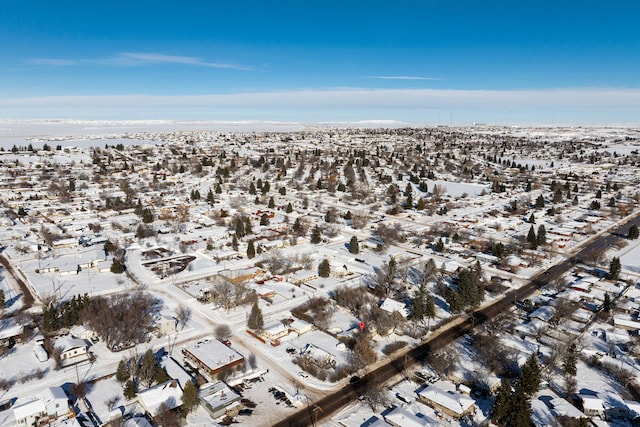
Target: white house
(392, 306)
(444, 397)
(166, 325)
(400, 417)
(55, 401)
(28, 413)
(167, 394)
(72, 350)
(82, 332)
(51, 403)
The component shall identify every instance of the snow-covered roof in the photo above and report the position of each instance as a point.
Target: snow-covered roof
(10, 328)
(67, 343)
(137, 422)
(592, 403)
(168, 393)
(217, 394)
(444, 394)
(401, 417)
(174, 370)
(29, 408)
(50, 394)
(563, 408)
(392, 306)
(214, 354)
(544, 313)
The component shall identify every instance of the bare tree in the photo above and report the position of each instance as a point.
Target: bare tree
(183, 314)
(223, 332)
(223, 293)
(359, 220)
(165, 417)
(253, 362)
(111, 402)
(375, 395)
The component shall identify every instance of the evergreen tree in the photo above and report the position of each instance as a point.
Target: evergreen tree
(532, 238)
(532, 219)
(529, 380)
(255, 320)
(453, 299)
(234, 243)
(542, 235)
(328, 217)
(470, 288)
(297, 227)
(606, 304)
(189, 397)
(210, 198)
(409, 202)
(3, 303)
(122, 374)
(264, 220)
(633, 232)
(520, 414)
(354, 245)
(289, 208)
(129, 391)
(218, 189)
(240, 229)
(316, 235)
(502, 403)
(439, 245)
(272, 203)
(252, 189)
(247, 226)
(614, 268)
(421, 204)
(570, 361)
(161, 375)
(117, 267)
(422, 304)
(539, 202)
(325, 269)
(147, 216)
(251, 250)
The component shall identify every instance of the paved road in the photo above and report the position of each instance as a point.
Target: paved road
(332, 403)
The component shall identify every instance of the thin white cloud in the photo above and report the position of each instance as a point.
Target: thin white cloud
(402, 78)
(336, 104)
(131, 59)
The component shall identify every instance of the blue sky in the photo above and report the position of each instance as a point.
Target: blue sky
(424, 61)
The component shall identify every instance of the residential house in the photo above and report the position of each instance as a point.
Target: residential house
(443, 396)
(166, 325)
(392, 306)
(72, 350)
(166, 396)
(592, 406)
(10, 331)
(400, 417)
(52, 403)
(219, 400)
(28, 413)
